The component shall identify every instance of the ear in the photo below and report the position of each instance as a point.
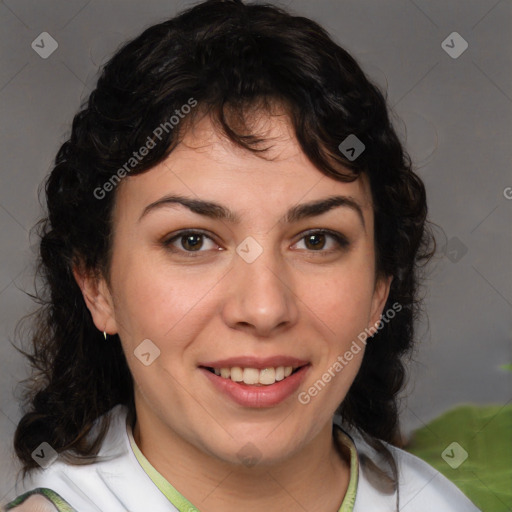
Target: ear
(380, 296)
(98, 299)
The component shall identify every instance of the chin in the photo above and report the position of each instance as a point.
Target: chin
(262, 446)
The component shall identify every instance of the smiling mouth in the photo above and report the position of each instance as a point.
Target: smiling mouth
(255, 376)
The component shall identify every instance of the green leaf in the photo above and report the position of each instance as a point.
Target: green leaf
(485, 433)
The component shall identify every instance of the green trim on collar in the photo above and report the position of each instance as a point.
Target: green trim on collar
(350, 496)
(60, 504)
(183, 505)
(174, 496)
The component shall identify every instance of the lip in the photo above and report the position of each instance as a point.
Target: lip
(256, 396)
(259, 363)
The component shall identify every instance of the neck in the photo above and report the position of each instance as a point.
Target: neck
(314, 479)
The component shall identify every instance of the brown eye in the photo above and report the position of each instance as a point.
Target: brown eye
(190, 242)
(315, 241)
(324, 241)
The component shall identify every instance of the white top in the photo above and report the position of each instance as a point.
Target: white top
(120, 484)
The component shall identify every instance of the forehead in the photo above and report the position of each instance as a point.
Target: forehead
(208, 165)
(272, 127)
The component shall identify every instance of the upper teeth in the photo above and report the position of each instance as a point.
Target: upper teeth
(253, 376)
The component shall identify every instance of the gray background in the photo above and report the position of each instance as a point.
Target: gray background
(458, 116)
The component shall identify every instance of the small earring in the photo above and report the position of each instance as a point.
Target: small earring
(104, 334)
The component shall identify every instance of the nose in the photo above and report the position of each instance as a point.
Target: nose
(260, 299)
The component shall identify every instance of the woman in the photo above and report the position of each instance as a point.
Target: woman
(231, 260)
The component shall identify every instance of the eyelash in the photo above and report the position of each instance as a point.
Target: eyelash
(340, 240)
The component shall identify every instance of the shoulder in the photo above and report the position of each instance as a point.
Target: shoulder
(115, 482)
(420, 487)
(425, 488)
(59, 486)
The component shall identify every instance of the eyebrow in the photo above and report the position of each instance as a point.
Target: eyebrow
(217, 211)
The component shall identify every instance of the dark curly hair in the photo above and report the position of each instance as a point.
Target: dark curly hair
(230, 58)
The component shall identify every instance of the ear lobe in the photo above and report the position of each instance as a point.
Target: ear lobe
(98, 299)
(380, 296)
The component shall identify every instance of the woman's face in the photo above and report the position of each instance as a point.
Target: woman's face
(245, 283)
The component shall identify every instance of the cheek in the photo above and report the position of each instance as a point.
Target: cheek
(160, 302)
(342, 301)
